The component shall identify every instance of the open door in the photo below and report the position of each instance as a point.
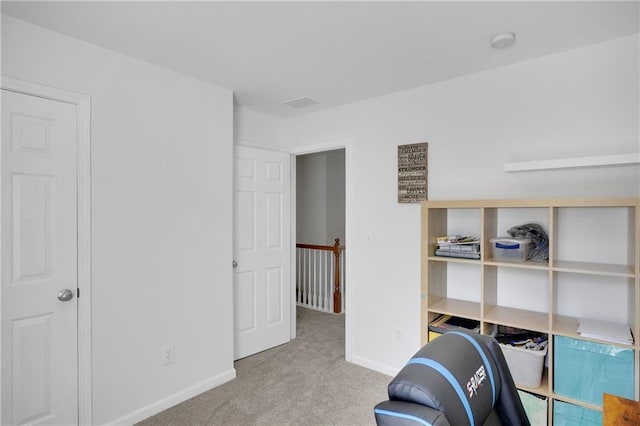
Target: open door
(262, 283)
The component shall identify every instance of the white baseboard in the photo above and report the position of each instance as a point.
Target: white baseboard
(373, 365)
(174, 399)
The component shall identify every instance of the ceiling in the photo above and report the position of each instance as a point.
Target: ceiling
(334, 52)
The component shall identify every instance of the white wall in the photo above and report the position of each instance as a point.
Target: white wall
(335, 196)
(254, 128)
(311, 199)
(320, 193)
(577, 103)
(161, 219)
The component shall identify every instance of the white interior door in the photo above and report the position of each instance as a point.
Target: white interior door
(39, 259)
(262, 289)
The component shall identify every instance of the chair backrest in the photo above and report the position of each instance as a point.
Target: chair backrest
(455, 374)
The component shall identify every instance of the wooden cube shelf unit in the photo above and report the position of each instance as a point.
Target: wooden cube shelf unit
(594, 248)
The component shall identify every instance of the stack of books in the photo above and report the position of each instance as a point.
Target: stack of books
(456, 246)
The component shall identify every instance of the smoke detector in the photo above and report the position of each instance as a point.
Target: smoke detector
(502, 40)
(301, 102)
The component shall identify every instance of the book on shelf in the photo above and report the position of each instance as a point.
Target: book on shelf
(455, 239)
(460, 247)
(463, 247)
(605, 330)
(460, 254)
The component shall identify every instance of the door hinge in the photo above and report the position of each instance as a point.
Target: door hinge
(78, 292)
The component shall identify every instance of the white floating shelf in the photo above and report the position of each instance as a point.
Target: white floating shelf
(568, 163)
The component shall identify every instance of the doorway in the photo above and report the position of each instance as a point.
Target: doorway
(320, 191)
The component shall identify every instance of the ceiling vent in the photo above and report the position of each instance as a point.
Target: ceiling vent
(302, 102)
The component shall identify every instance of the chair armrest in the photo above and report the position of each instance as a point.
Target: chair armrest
(401, 413)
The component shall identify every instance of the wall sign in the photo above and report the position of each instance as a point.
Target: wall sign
(412, 172)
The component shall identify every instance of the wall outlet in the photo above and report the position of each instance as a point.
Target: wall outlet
(400, 335)
(369, 239)
(168, 355)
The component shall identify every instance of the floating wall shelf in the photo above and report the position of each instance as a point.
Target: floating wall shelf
(567, 163)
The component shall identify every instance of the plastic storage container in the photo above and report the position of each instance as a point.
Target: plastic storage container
(525, 365)
(584, 370)
(510, 249)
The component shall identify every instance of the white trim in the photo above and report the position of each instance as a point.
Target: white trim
(349, 303)
(375, 366)
(83, 116)
(320, 147)
(42, 91)
(292, 236)
(85, 377)
(249, 144)
(568, 163)
(175, 399)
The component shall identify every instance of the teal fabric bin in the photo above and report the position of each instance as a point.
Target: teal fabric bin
(535, 406)
(584, 370)
(565, 414)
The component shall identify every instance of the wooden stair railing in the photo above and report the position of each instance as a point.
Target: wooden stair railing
(337, 296)
(336, 249)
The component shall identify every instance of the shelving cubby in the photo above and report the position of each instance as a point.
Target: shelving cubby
(593, 271)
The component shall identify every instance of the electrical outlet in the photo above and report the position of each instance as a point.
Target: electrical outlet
(400, 335)
(369, 239)
(168, 355)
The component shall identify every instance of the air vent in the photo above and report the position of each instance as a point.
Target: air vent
(302, 102)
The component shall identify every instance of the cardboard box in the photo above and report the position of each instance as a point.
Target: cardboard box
(445, 323)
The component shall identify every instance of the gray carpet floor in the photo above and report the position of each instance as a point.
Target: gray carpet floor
(304, 382)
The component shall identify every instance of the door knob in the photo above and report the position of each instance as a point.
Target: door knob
(65, 295)
(235, 264)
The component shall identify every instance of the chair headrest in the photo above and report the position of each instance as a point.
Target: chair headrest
(455, 374)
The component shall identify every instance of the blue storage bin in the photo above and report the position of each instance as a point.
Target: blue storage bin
(535, 406)
(584, 370)
(565, 414)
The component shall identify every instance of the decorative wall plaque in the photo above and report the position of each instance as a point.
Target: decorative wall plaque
(412, 172)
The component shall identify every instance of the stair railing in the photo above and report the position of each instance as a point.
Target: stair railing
(320, 277)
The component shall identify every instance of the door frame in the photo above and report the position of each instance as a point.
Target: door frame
(83, 169)
(347, 145)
